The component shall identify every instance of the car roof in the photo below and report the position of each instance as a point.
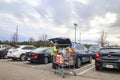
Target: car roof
(110, 48)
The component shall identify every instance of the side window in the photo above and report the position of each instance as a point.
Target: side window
(33, 48)
(80, 47)
(50, 50)
(27, 48)
(47, 50)
(85, 49)
(77, 46)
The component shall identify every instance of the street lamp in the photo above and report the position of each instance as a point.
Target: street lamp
(80, 37)
(75, 30)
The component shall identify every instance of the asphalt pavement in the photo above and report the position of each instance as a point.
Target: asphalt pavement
(17, 70)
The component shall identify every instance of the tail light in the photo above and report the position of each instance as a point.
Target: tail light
(98, 54)
(35, 54)
(0, 50)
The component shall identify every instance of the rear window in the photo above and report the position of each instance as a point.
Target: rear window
(15, 47)
(94, 48)
(110, 50)
(38, 50)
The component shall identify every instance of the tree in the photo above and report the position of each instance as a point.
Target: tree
(102, 38)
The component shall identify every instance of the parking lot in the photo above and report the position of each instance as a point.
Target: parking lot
(17, 70)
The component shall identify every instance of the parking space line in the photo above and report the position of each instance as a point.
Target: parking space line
(86, 70)
(84, 67)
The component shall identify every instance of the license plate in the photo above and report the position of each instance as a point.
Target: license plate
(109, 66)
(28, 58)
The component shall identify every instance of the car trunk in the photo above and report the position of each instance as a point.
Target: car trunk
(36, 56)
(110, 55)
(62, 42)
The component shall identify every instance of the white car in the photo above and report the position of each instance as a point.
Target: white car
(19, 51)
(4, 46)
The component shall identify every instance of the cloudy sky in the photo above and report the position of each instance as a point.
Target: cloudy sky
(55, 18)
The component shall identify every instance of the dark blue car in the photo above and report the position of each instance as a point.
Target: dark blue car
(3, 52)
(81, 53)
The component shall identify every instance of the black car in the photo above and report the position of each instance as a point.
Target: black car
(81, 53)
(39, 55)
(93, 49)
(3, 52)
(108, 58)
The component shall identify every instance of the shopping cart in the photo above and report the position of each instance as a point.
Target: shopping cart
(64, 65)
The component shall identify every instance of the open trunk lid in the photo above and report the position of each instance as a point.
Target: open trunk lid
(62, 42)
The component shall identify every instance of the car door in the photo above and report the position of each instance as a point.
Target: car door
(27, 48)
(48, 53)
(85, 53)
(78, 50)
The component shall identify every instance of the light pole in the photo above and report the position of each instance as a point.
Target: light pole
(80, 37)
(16, 35)
(75, 30)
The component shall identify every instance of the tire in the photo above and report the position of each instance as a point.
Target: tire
(90, 60)
(5, 57)
(97, 68)
(31, 62)
(14, 59)
(22, 57)
(78, 63)
(46, 60)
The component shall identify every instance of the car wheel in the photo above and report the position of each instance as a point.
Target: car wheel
(14, 59)
(46, 60)
(97, 68)
(22, 57)
(78, 63)
(5, 57)
(31, 62)
(90, 60)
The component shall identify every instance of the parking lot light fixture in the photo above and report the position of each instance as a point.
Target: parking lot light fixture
(75, 30)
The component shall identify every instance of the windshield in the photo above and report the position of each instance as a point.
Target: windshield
(111, 50)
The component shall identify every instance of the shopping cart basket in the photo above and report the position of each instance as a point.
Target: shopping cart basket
(64, 65)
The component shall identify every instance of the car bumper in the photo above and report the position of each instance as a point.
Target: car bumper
(13, 56)
(34, 59)
(107, 64)
(93, 56)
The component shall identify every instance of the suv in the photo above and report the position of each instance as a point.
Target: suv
(19, 51)
(81, 53)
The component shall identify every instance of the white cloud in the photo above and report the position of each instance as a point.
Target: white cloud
(56, 18)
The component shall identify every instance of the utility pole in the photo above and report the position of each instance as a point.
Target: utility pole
(16, 38)
(75, 30)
